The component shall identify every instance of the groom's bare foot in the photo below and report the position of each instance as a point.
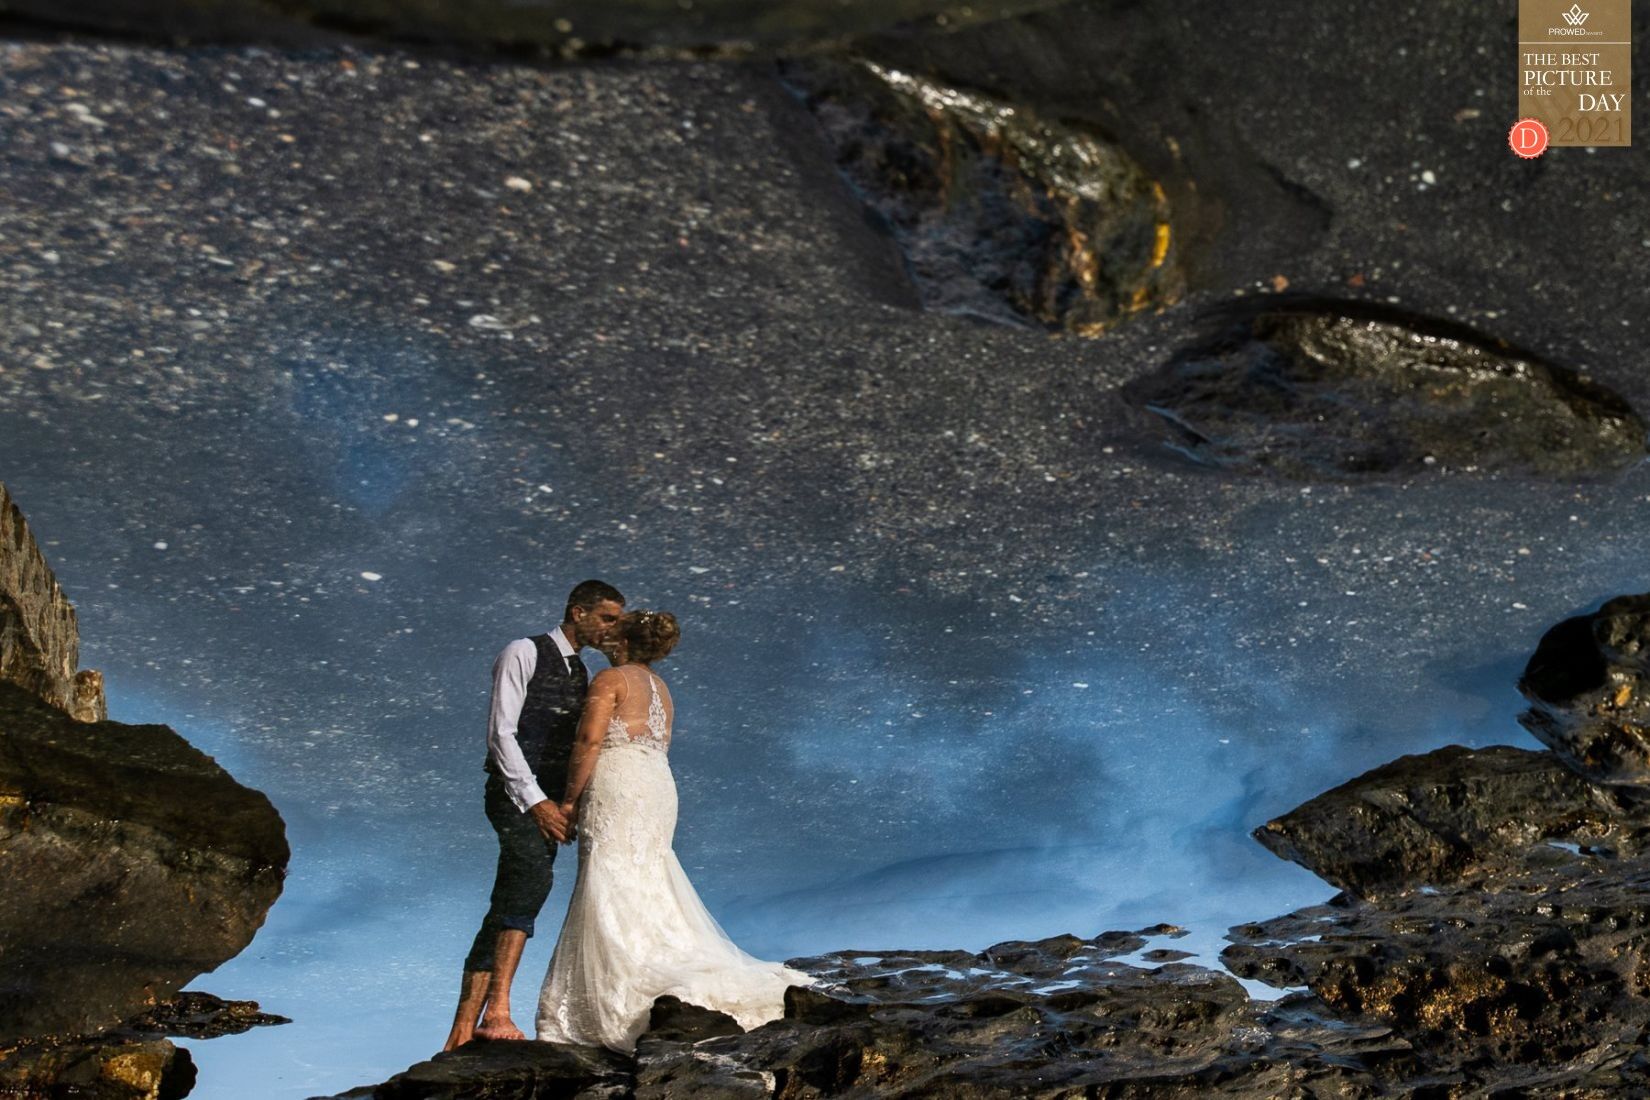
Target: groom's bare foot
(498, 1028)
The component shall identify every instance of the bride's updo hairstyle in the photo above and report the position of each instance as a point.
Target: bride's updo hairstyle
(649, 635)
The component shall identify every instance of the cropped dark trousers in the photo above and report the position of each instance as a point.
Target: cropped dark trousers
(523, 878)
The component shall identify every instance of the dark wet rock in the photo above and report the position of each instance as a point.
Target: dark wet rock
(999, 213)
(1502, 930)
(1340, 390)
(1589, 683)
(95, 1069)
(1538, 981)
(681, 1071)
(933, 1024)
(132, 863)
(39, 639)
(1456, 814)
(195, 1015)
(1054, 1018)
(506, 1070)
(667, 1064)
(582, 28)
(677, 1021)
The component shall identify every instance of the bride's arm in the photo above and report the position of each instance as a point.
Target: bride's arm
(599, 704)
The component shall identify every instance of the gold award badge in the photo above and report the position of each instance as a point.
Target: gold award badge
(1575, 70)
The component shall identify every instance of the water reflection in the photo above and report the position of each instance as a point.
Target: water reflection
(961, 662)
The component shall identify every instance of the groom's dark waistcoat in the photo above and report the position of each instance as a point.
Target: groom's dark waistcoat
(550, 715)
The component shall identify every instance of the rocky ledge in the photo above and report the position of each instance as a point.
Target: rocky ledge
(1504, 932)
(39, 636)
(132, 862)
(132, 1062)
(1456, 815)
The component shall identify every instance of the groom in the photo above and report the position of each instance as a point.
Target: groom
(538, 697)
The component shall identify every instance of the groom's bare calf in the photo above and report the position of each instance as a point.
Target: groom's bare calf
(484, 998)
(495, 1018)
(472, 995)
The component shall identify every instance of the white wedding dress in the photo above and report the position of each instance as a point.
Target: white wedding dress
(635, 927)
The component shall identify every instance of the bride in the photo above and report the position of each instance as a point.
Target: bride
(635, 927)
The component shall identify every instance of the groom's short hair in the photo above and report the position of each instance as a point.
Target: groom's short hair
(587, 594)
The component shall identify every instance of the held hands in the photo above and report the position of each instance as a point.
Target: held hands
(553, 821)
(570, 812)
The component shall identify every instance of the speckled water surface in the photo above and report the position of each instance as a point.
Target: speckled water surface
(325, 373)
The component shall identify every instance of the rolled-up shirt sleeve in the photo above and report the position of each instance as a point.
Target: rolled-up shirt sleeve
(511, 672)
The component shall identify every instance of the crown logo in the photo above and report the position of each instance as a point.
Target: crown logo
(1575, 16)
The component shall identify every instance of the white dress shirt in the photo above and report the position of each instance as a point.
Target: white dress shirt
(511, 673)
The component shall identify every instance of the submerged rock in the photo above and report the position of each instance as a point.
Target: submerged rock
(1589, 681)
(1343, 389)
(39, 639)
(1456, 814)
(999, 213)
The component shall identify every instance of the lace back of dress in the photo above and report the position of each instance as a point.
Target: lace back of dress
(657, 724)
(654, 730)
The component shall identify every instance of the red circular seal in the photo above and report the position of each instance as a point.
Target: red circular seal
(1528, 138)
